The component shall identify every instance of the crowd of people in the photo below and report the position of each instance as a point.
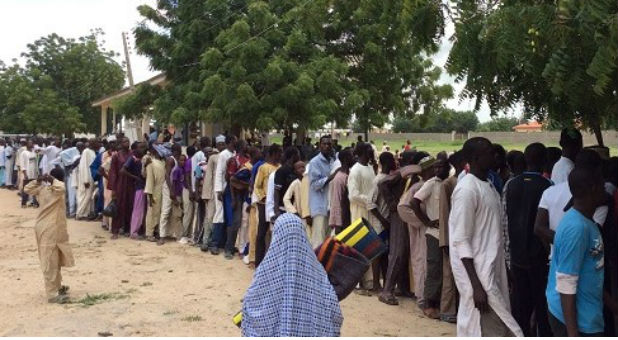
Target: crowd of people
(517, 243)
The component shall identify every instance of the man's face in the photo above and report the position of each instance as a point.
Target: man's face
(326, 146)
(220, 146)
(299, 168)
(125, 143)
(441, 169)
(486, 157)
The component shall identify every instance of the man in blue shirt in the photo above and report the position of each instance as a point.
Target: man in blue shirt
(575, 287)
(319, 176)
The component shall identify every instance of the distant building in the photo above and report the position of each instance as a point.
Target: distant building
(532, 126)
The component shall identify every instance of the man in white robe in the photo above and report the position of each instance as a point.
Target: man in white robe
(9, 162)
(477, 250)
(85, 183)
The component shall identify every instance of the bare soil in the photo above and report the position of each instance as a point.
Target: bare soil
(136, 288)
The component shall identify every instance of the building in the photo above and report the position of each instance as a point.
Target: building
(135, 129)
(532, 126)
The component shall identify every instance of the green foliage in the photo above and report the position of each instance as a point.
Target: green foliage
(559, 59)
(292, 64)
(137, 103)
(442, 121)
(54, 91)
(498, 124)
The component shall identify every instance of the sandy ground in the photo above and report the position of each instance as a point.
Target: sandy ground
(149, 290)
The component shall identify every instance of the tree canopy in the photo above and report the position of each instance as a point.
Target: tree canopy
(442, 120)
(292, 64)
(53, 92)
(558, 58)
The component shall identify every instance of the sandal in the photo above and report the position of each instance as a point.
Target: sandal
(114, 236)
(151, 239)
(389, 300)
(363, 292)
(63, 290)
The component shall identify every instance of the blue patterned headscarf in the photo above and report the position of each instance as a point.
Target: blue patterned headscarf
(290, 294)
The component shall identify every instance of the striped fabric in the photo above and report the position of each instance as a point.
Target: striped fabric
(290, 294)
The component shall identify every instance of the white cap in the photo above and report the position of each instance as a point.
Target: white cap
(220, 139)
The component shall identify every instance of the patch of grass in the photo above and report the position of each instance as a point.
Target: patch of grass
(91, 300)
(170, 312)
(192, 318)
(146, 284)
(131, 290)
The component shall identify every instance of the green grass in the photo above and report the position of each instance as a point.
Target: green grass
(192, 318)
(170, 312)
(91, 300)
(434, 147)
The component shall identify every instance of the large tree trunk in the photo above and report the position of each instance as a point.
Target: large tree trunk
(301, 133)
(596, 128)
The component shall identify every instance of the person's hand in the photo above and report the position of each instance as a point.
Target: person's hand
(480, 299)
(87, 185)
(309, 220)
(220, 196)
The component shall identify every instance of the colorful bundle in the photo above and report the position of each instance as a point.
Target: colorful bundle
(361, 235)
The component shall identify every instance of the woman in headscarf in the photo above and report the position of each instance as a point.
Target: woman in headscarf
(290, 294)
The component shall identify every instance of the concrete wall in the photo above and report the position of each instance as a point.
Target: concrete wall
(610, 138)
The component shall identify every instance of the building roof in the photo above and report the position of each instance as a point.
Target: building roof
(533, 125)
(158, 79)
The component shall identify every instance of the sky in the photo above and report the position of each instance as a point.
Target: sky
(24, 21)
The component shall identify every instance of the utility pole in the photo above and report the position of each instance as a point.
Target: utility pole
(127, 59)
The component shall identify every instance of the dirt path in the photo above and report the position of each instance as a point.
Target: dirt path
(131, 288)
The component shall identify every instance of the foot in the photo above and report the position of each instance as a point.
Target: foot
(431, 313)
(204, 248)
(362, 292)
(406, 294)
(59, 299)
(104, 227)
(245, 259)
(114, 236)
(160, 242)
(229, 255)
(183, 240)
(134, 237)
(151, 239)
(449, 318)
(388, 299)
(214, 250)
(63, 290)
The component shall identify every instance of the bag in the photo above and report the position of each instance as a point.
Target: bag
(237, 319)
(344, 265)
(111, 210)
(361, 235)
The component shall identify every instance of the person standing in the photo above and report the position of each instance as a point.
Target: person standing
(290, 294)
(320, 176)
(429, 195)
(339, 217)
(123, 189)
(106, 163)
(9, 161)
(571, 143)
(20, 179)
(575, 286)
(448, 298)
(476, 246)
(527, 253)
(85, 187)
(155, 180)
(29, 171)
(260, 189)
(253, 209)
(51, 233)
(223, 214)
(237, 193)
(171, 159)
(208, 192)
(198, 161)
(69, 158)
(133, 169)
(2, 164)
(284, 176)
(188, 198)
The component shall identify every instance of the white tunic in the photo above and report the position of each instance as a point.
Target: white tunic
(562, 169)
(475, 232)
(28, 163)
(84, 176)
(360, 189)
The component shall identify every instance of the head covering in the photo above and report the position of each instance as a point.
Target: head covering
(290, 294)
(162, 150)
(426, 162)
(220, 139)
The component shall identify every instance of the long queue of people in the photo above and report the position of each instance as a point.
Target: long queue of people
(517, 243)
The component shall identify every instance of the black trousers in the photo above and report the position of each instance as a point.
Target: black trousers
(398, 256)
(528, 298)
(232, 229)
(262, 230)
(433, 276)
(201, 212)
(559, 329)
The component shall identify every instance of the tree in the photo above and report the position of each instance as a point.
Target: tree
(386, 43)
(559, 59)
(498, 124)
(78, 71)
(292, 64)
(442, 120)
